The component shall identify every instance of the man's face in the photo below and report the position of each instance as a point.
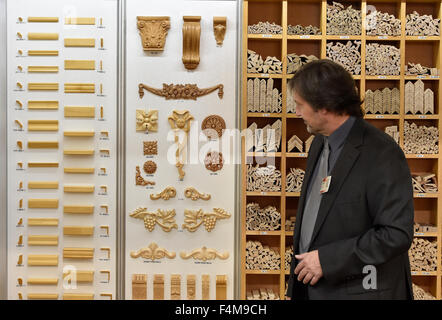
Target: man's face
(314, 120)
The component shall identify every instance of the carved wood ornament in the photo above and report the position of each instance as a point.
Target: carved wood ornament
(147, 121)
(180, 120)
(139, 180)
(214, 161)
(193, 194)
(219, 29)
(209, 219)
(204, 254)
(153, 32)
(189, 91)
(153, 252)
(191, 41)
(166, 194)
(213, 125)
(165, 219)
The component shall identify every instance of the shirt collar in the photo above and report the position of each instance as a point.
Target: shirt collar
(337, 138)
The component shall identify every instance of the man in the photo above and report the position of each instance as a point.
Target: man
(354, 222)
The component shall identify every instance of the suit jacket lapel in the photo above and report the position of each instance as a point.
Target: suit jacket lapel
(342, 168)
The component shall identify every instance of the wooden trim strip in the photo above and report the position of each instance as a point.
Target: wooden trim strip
(42, 36)
(89, 133)
(43, 260)
(79, 170)
(80, 276)
(42, 222)
(79, 189)
(79, 112)
(43, 185)
(79, 42)
(78, 253)
(43, 240)
(79, 64)
(78, 231)
(79, 87)
(43, 144)
(43, 203)
(42, 69)
(42, 105)
(42, 125)
(78, 296)
(42, 281)
(42, 52)
(32, 86)
(43, 296)
(78, 152)
(42, 164)
(79, 209)
(42, 19)
(79, 21)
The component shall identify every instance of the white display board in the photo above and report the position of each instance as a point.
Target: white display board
(217, 66)
(103, 198)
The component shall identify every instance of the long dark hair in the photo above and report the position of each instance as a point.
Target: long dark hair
(324, 84)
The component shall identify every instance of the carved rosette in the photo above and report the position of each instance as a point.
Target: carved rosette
(153, 32)
(213, 125)
(150, 167)
(204, 254)
(147, 121)
(150, 148)
(165, 219)
(193, 194)
(193, 219)
(153, 252)
(214, 161)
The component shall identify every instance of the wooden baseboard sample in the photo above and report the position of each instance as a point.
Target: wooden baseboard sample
(78, 296)
(42, 19)
(42, 222)
(79, 88)
(42, 281)
(78, 133)
(79, 170)
(42, 36)
(158, 287)
(43, 240)
(139, 287)
(79, 112)
(78, 209)
(42, 105)
(221, 287)
(43, 260)
(80, 276)
(43, 185)
(191, 287)
(42, 52)
(205, 287)
(79, 21)
(79, 64)
(43, 203)
(42, 69)
(175, 287)
(43, 144)
(42, 164)
(78, 152)
(79, 189)
(79, 42)
(42, 125)
(78, 231)
(78, 253)
(42, 296)
(36, 86)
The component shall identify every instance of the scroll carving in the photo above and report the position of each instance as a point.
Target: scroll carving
(153, 252)
(165, 219)
(191, 41)
(153, 32)
(180, 91)
(166, 194)
(193, 194)
(219, 29)
(204, 254)
(194, 219)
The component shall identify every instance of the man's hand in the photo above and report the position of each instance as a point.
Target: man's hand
(309, 267)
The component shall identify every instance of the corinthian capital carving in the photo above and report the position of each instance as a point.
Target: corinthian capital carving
(153, 32)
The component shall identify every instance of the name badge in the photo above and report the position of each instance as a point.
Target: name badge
(325, 184)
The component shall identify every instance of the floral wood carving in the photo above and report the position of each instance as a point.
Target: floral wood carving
(180, 120)
(150, 148)
(191, 42)
(150, 167)
(189, 91)
(153, 32)
(214, 161)
(204, 254)
(219, 29)
(193, 194)
(153, 252)
(165, 219)
(213, 125)
(166, 194)
(193, 219)
(147, 121)
(139, 180)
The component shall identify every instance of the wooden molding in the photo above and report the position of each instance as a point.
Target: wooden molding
(79, 42)
(43, 144)
(78, 253)
(42, 52)
(164, 218)
(43, 185)
(43, 260)
(42, 296)
(153, 32)
(42, 164)
(78, 209)
(78, 231)
(204, 254)
(166, 194)
(42, 281)
(192, 193)
(78, 133)
(42, 86)
(139, 287)
(79, 112)
(219, 29)
(205, 287)
(42, 36)
(79, 88)
(147, 121)
(153, 252)
(78, 152)
(78, 296)
(43, 19)
(158, 287)
(79, 188)
(79, 64)
(43, 203)
(42, 105)
(79, 21)
(43, 240)
(80, 276)
(79, 170)
(191, 287)
(175, 287)
(42, 69)
(191, 218)
(42, 125)
(42, 222)
(191, 42)
(180, 91)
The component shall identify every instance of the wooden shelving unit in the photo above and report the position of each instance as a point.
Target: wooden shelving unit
(417, 49)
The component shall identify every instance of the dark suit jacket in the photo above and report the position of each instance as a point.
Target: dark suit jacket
(365, 218)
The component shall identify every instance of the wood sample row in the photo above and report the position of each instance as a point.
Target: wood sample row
(288, 257)
(256, 64)
(420, 139)
(267, 139)
(259, 257)
(343, 21)
(424, 183)
(348, 55)
(418, 100)
(264, 28)
(294, 61)
(303, 30)
(382, 60)
(420, 294)
(296, 145)
(382, 24)
(423, 255)
(262, 294)
(140, 287)
(263, 97)
(385, 101)
(263, 179)
(262, 219)
(422, 25)
(417, 69)
(294, 180)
